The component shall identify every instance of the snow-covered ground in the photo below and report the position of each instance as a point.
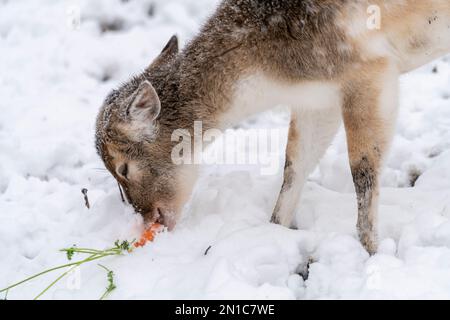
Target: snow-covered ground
(54, 74)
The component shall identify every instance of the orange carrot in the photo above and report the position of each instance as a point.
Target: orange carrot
(149, 235)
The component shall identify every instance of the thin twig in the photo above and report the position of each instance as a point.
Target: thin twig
(86, 199)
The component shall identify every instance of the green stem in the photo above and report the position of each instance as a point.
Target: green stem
(54, 282)
(102, 266)
(92, 251)
(54, 269)
(111, 286)
(90, 259)
(105, 295)
(119, 249)
(81, 251)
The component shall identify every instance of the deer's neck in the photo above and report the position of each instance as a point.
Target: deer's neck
(207, 82)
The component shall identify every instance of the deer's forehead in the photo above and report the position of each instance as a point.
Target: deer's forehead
(124, 151)
(137, 131)
(114, 152)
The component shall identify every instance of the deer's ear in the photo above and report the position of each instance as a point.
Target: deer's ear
(168, 53)
(171, 47)
(146, 105)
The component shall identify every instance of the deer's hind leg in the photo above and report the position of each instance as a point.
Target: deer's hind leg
(369, 112)
(310, 134)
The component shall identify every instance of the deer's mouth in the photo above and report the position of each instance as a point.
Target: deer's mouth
(163, 216)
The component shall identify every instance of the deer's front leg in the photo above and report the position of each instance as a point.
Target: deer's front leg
(369, 112)
(310, 134)
(292, 184)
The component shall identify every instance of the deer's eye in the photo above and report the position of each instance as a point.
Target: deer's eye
(123, 171)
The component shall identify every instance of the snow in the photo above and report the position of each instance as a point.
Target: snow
(55, 74)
